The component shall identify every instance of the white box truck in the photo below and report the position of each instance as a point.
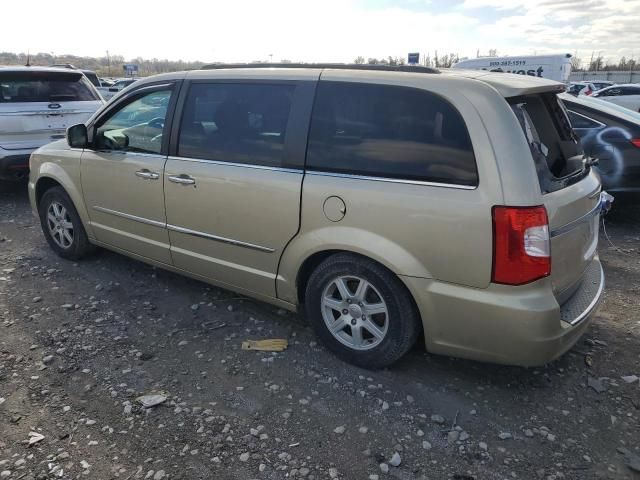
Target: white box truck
(552, 67)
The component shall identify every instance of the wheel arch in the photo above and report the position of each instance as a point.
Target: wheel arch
(307, 250)
(43, 184)
(52, 175)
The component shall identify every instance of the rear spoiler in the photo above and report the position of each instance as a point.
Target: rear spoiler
(511, 84)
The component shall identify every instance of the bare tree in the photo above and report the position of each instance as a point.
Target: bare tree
(597, 63)
(359, 60)
(576, 63)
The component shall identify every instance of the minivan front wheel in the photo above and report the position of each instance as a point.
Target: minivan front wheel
(361, 311)
(62, 226)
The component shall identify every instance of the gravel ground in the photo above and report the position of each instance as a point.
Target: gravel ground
(81, 342)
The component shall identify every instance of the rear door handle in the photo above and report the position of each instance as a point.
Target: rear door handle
(182, 179)
(144, 173)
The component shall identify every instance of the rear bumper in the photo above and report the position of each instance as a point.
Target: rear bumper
(510, 325)
(14, 164)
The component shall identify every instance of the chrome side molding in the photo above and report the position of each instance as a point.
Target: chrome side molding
(188, 231)
(217, 238)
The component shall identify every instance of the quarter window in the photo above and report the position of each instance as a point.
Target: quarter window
(389, 131)
(136, 127)
(580, 121)
(236, 122)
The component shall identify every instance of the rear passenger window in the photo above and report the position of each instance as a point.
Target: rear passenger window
(240, 123)
(391, 132)
(630, 90)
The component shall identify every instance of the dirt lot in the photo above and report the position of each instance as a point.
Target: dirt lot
(79, 342)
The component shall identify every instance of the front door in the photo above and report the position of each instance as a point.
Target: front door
(122, 175)
(233, 188)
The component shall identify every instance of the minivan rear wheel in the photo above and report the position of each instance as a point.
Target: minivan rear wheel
(361, 311)
(62, 226)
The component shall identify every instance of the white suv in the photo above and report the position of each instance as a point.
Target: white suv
(37, 104)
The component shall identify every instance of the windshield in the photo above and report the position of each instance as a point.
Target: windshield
(16, 87)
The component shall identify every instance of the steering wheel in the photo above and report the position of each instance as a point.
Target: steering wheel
(157, 122)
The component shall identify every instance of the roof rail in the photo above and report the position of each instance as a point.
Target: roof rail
(338, 66)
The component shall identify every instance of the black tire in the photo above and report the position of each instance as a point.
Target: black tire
(403, 327)
(79, 246)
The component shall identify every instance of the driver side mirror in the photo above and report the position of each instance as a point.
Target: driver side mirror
(77, 136)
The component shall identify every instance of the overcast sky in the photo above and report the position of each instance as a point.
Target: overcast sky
(320, 30)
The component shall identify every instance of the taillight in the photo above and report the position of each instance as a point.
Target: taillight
(521, 245)
(635, 142)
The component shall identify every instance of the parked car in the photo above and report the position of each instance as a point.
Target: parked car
(626, 95)
(380, 200)
(105, 82)
(611, 134)
(119, 85)
(600, 84)
(90, 74)
(37, 104)
(581, 88)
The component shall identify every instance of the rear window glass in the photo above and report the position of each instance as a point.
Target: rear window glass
(45, 87)
(554, 147)
(388, 131)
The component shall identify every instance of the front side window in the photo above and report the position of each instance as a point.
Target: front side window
(236, 122)
(136, 127)
(51, 87)
(391, 132)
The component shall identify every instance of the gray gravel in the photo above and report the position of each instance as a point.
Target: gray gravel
(82, 343)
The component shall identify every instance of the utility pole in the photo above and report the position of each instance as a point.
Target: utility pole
(108, 63)
(271, 58)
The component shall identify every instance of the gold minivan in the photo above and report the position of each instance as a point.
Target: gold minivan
(389, 203)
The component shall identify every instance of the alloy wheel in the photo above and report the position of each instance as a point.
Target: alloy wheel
(354, 312)
(60, 225)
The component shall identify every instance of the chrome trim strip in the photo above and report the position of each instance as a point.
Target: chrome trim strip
(242, 165)
(571, 225)
(187, 231)
(128, 216)
(593, 303)
(230, 241)
(391, 180)
(130, 154)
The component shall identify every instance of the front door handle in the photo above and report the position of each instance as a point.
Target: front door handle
(144, 173)
(182, 179)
